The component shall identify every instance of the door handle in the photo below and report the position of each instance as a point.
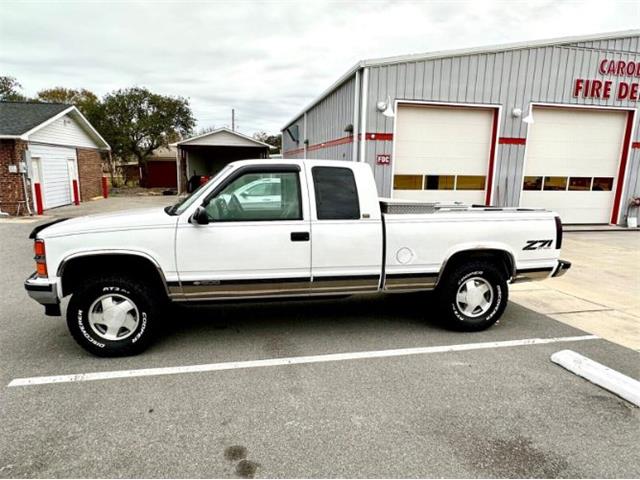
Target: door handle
(299, 236)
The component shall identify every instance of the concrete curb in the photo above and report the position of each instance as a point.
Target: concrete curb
(601, 375)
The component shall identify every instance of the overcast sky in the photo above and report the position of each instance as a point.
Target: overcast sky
(265, 59)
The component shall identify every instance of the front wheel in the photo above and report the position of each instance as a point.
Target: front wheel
(473, 296)
(112, 316)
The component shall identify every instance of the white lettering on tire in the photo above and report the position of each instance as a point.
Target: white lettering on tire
(85, 334)
(142, 329)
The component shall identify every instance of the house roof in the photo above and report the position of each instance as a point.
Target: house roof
(165, 152)
(222, 137)
(17, 118)
(21, 119)
(375, 62)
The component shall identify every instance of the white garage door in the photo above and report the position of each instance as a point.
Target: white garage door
(442, 153)
(55, 178)
(572, 162)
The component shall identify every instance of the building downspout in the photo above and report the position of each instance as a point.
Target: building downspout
(25, 180)
(356, 117)
(178, 164)
(26, 194)
(304, 135)
(363, 115)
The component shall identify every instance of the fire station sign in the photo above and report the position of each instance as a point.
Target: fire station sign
(606, 89)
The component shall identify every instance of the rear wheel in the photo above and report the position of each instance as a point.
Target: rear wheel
(112, 316)
(473, 296)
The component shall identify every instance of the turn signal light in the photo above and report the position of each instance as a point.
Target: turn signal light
(38, 248)
(41, 269)
(41, 262)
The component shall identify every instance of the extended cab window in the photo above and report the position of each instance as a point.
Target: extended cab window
(336, 193)
(258, 196)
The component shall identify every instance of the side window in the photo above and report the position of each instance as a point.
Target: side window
(258, 197)
(336, 193)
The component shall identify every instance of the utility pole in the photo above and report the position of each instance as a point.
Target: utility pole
(233, 120)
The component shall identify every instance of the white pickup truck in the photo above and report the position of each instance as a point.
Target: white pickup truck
(310, 228)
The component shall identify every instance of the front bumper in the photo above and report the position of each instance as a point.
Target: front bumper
(45, 292)
(561, 268)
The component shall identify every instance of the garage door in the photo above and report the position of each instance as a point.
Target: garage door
(55, 178)
(442, 153)
(161, 174)
(572, 162)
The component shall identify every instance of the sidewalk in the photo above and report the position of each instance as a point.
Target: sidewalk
(601, 292)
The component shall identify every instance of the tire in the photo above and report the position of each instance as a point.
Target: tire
(473, 296)
(128, 303)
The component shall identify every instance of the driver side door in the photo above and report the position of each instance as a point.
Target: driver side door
(244, 251)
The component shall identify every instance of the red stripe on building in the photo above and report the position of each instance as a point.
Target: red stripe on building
(294, 152)
(635, 145)
(375, 136)
(623, 168)
(512, 141)
(492, 155)
(330, 143)
(386, 137)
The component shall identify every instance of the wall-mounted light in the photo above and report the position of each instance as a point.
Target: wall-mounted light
(386, 108)
(349, 128)
(516, 112)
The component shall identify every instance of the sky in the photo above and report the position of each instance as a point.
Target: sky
(266, 59)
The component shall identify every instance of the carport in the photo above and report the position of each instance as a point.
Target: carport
(206, 154)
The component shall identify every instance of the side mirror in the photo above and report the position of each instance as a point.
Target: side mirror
(199, 217)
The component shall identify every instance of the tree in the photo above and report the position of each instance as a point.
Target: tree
(10, 90)
(84, 100)
(135, 121)
(273, 140)
(203, 130)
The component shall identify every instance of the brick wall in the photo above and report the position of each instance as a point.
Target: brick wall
(90, 173)
(11, 184)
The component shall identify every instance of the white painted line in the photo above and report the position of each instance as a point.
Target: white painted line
(603, 376)
(273, 362)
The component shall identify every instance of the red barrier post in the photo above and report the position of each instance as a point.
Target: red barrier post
(76, 195)
(105, 188)
(38, 192)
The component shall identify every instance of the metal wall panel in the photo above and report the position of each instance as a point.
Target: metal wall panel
(326, 121)
(291, 149)
(509, 79)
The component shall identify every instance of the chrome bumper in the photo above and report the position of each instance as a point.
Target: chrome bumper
(561, 268)
(541, 273)
(45, 292)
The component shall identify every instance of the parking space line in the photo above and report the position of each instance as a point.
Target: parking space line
(273, 362)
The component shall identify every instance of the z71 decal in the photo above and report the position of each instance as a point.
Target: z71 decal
(538, 244)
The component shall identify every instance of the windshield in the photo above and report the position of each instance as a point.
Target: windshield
(187, 201)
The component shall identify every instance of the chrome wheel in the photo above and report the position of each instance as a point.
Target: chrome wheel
(474, 297)
(113, 317)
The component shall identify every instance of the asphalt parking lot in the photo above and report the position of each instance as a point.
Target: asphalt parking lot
(490, 412)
